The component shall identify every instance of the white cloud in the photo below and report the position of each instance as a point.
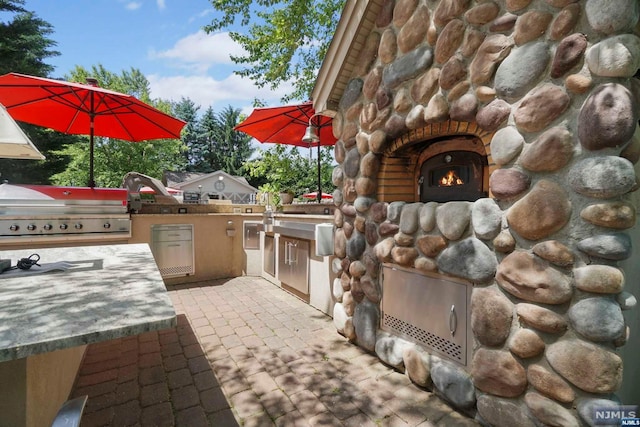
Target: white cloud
(133, 5)
(161, 4)
(201, 50)
(206, 91)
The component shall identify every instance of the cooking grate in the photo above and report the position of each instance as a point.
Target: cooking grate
(426, 338)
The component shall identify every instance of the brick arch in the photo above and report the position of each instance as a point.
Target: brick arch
(398, 164)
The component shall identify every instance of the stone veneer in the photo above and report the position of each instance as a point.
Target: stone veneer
(552, 81)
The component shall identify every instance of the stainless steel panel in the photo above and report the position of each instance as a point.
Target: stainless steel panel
(299, 230)
(428, 309)
(45, 226)
(269, 255)
(172, 248)
(171, 233)
(293, 263)
(251, 235)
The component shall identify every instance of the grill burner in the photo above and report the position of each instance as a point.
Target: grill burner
(48, 213)
(454, 175)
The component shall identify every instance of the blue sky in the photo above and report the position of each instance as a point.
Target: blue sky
(161, 38)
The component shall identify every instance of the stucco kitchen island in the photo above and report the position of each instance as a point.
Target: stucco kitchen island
(46, 320)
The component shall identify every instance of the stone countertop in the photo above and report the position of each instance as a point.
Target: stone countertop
(107, 292)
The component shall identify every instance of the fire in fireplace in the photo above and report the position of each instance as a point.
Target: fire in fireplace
(453, 175)
(450, 178)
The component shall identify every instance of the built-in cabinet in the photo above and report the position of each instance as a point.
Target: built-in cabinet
(172, 248)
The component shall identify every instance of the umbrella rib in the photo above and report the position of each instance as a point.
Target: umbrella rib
(53, 96)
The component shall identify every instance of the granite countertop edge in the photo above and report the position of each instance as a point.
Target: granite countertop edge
(22, 351)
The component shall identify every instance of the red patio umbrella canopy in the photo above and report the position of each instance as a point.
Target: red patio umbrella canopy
(314, 195)
(84, 109)
(287, 125)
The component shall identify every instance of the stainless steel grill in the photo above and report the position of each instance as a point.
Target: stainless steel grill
(44, 214)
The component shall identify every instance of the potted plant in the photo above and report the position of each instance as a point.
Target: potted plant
(286, 197)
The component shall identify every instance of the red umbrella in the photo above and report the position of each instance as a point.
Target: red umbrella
(288, 125)
(82, 109)
(314, 195)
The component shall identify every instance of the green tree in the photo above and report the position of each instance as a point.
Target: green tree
(234, 147)
(203, 155)
(114, 158)
(282, 168)
(24, 41)
(24, 48)
(286, 40)
(187, 110)
(218, 146)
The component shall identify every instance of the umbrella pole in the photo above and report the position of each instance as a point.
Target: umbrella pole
(92, 183)
(319, 179)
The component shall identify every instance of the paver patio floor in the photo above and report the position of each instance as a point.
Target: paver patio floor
(247, 353)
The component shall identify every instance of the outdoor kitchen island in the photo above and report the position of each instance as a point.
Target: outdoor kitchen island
(47, 319)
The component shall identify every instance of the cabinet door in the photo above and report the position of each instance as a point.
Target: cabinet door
(269, 256)
(174, 258)
(426, 308)
(299, 262)
(284, 269)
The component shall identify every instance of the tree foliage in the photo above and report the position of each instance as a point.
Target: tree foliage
(24, 48)
(24, 41)
(187, 110)
(282, 168)
(217, 146)
(285, 42)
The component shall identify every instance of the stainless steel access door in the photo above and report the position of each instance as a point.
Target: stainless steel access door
(430, 309)
(293, 263)
(269, 255)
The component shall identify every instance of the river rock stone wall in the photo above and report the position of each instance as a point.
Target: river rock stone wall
(554, 80)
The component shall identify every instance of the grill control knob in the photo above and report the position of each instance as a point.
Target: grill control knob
(47, 227)
(63, 226)
(14, 227)
(78, 226)
(31, 227)
(106, 225)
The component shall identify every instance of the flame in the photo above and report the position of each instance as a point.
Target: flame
(450, 179)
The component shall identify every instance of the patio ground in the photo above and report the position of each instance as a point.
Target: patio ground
(246, 353)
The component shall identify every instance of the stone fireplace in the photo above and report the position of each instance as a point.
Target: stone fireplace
(491, 145)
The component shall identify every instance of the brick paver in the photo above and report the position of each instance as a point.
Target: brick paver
(247, 353)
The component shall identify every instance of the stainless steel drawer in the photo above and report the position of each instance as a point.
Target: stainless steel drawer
(170, 233)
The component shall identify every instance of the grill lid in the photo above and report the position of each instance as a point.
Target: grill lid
(46, 199)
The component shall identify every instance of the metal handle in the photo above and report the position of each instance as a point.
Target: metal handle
(453, 320)
(293, 253)
(286, 253)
